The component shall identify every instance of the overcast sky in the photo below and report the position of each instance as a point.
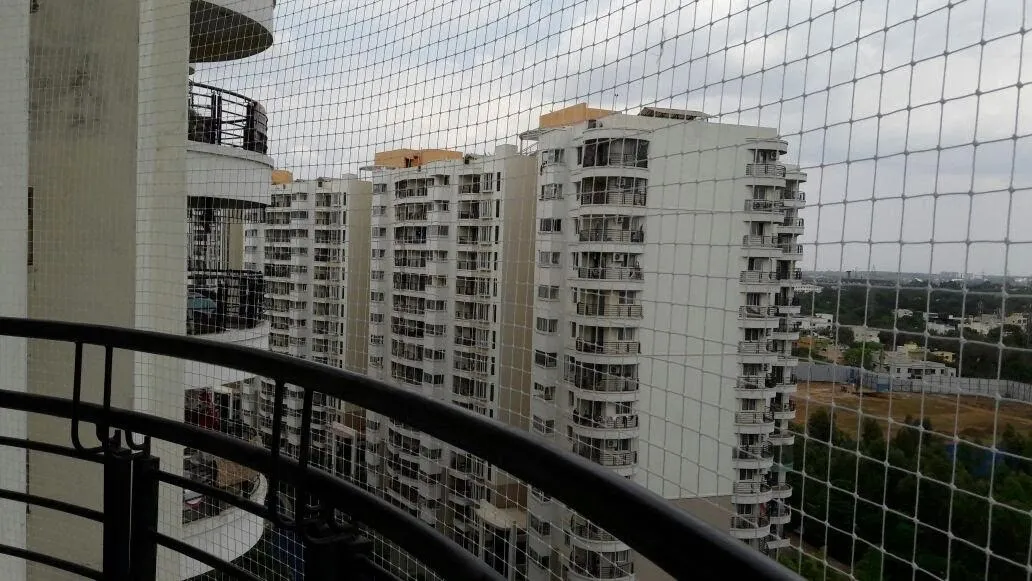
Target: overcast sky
(903, 113)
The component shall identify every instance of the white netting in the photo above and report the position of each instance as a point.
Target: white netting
(765, 258)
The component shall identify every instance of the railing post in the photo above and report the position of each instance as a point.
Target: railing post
(118, 475)
(144, 544)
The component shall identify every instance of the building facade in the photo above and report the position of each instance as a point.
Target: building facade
(666, 251)
(313, 250)
(450, 302)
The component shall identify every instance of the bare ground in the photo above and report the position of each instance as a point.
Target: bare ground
(967, 417)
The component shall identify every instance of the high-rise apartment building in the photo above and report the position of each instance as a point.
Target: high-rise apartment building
(313, 250)
(450, 306)
(663, 320)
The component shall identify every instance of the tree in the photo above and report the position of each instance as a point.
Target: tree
(844, 336)
(866, 355)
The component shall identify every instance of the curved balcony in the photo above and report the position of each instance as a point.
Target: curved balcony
(750, 527)
(764, 210)
(615, 202)
(227, 306)
(751, 492)
(227, 145)
(753, 456)
(608, 277)
(608, 311)
(340, 511)
(757, 317)
(611, 348)
(614, 389)
(754, 422)
(754, 387)
(611, 236)
(791, 226)
(620, 426)
(223, 30)
(765, 174)
(761, 246)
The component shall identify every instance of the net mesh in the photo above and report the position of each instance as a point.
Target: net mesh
(763, 258)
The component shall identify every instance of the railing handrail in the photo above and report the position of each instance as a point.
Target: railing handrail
(561, 474)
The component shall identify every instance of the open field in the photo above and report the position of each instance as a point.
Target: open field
(971, 417)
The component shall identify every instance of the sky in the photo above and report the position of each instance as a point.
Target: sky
(909, 116)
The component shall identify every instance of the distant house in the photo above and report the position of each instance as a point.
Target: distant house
(902, 313)
(906, 368)
(817, 322)
(947, 356)
(864, 335)
(941, 328)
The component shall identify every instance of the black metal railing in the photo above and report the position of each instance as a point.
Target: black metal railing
(221, 300)
(222, 117)
(333, 524)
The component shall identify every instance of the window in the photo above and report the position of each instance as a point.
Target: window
(376, 339)
(543, 359)
(548, 258)
(551, 156)
(379, 188)
(438, 230)
(379, 252)
(379, 232)
(376, 362)
(376, 296)
(548, 292)
(487, 183)
(376, 317)
(376, 275)
(379, 210)
(547, 325)
(552, 192)
(544, 427)
(550, 225)
(440, 206)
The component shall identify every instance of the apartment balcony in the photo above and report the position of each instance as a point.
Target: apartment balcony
(781, 491)
(765, 170)
(782, 437)
(780, 514)
(788, 306)
(613, 201)
(761, 246)
(610, 273)
(792, 251)
(608, 348)
(609, 389)
(791, 226)
(128, 536)
(787, 329)
(764, 210)
(784, 410)
(609, 311)
(754, 387)
(611, 236)
(757, 352)
(750, 527)
(761, 280)
(793, 198)
(754, 422)
(589, 572)
(622, 462)
(223, 30)
(227, 306)
(751, 492)
(752, 456)
(590, 537)
(776, 542)
(619, 426)
(757, 317)
(226, 149)
(786, 385)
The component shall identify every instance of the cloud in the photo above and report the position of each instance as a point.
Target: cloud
(903, 113)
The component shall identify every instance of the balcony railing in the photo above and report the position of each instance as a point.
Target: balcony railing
(756, 312)
(338, 519)
(222, 117)
(754, 418)
(765, 170)
(607, 310)
(609, 347)
(610, 235)
(221, 300)
(610, 273)
(612, 198)
(607, 384)
(618, 422)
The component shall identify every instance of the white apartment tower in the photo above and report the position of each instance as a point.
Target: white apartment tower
(663, 320)
(313, 249)
(450, 306)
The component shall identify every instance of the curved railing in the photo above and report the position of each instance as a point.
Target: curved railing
(222, 117)
(340, 511)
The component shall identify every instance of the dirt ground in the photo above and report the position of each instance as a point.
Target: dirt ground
(970, 417)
